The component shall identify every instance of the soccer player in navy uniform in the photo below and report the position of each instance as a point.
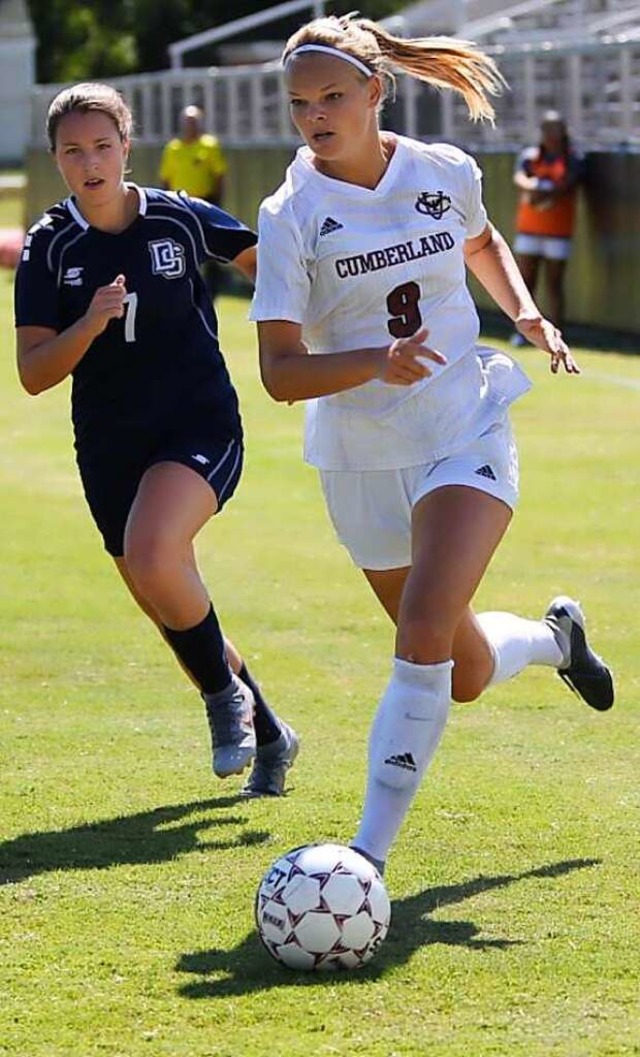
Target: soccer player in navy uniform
(109, 291)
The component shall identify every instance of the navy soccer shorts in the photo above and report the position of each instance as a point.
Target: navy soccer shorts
(110, 480)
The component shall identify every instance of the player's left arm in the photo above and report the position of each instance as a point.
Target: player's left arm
(489, 258)
(222, 236)
(245, 262)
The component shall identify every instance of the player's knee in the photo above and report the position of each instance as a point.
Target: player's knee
(149, 563)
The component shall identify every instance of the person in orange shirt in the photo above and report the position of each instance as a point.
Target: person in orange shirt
(547, 177)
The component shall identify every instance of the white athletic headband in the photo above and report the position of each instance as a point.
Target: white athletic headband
(326, 49)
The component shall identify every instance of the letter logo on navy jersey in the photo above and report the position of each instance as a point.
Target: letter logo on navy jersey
(73, 276)
(167, 258)
(434, 203)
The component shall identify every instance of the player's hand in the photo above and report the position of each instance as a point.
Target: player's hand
(408, 360)
(106, 304)
(546, 336)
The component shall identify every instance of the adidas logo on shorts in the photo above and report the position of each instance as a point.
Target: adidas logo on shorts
(329, 225)
(486, 471)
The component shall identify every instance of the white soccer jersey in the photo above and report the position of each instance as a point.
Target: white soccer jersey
(359, 267)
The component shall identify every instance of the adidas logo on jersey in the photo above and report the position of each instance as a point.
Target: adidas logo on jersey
(329, 225)
(486, 471)
(404, 760)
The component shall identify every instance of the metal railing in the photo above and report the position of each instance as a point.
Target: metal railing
(238, 25)
(596, 85)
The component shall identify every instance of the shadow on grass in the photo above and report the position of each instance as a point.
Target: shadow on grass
(247, 967)
(147, 837)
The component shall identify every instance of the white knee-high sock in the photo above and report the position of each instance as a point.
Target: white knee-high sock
(404, 737)
(517, 642)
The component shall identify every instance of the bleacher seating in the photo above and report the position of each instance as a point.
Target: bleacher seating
(578, 56)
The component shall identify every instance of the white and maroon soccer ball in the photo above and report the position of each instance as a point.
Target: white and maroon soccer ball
(322, 907)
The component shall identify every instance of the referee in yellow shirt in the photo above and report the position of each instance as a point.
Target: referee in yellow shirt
(194, 162)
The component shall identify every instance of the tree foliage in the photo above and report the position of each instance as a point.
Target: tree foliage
(100, 38)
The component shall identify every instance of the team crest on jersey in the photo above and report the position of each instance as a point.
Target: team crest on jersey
(167, 258)
(434, 203)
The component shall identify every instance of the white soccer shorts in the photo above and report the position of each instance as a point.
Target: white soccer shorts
(371, 509)
(552, 249)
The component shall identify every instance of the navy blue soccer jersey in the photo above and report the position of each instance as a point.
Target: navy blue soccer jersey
(162, 358)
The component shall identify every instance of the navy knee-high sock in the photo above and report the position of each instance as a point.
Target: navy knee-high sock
(201, 651)
(265, 721)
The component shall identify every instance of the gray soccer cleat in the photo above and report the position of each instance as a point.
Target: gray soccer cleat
(271, 764)
(581, 668)
(233, 739)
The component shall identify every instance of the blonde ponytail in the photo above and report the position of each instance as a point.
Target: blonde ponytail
(443, 62)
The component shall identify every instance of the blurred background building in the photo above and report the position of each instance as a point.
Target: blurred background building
(578, 56)
(17, 76)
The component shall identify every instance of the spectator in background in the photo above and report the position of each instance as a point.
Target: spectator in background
(194, 162)
(547, 177)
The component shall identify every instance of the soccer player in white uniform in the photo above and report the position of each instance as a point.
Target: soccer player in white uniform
(363, 311)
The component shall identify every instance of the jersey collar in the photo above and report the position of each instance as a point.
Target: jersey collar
(304, 161)
(71, 205)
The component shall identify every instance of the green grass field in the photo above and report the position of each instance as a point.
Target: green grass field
(129, 872)
(11, 206)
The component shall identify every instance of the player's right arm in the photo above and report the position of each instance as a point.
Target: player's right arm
(290, 373)
(283, 288)
(46, 357)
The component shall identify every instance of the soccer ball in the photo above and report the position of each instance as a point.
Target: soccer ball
(322, 906)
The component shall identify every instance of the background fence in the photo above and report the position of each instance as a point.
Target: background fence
(597, 85)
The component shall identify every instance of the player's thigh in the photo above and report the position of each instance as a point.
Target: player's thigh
(186, 483)
(110, 481)
(171, 505)
(388, 585)
(373, 511)
(461, 509)
(371, 514)
(456, 530)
